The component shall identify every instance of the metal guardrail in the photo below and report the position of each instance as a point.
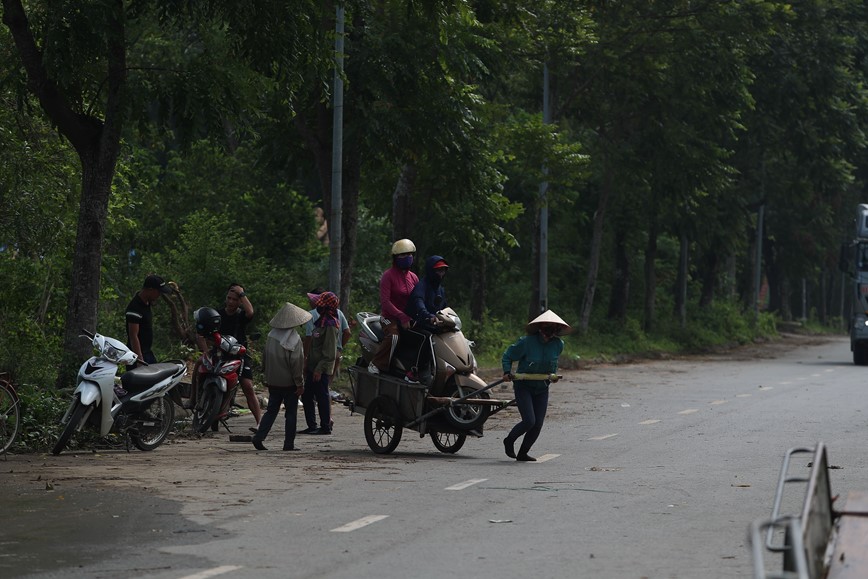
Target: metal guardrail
(806, 534)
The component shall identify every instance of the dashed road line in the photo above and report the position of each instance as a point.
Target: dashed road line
(463, 485)
(212, 572)
(647, 422)
(546, 457)
(689, 411)
(604, 437)
(718, 402)
(359, 523)
(743, 395)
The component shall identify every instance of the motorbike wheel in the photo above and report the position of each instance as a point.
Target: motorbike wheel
(75, 419)
(466, 416)
(206, 411)
(153, 424)
(383, 427)
(448, 443)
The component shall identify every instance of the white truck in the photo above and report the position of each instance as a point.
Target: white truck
(854, 262)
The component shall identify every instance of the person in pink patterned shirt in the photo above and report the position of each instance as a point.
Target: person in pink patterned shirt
(396, 284)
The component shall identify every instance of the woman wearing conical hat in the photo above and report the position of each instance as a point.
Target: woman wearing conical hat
(283, 360)
(536, 353)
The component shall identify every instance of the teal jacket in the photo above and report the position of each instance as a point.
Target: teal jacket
(534, 357)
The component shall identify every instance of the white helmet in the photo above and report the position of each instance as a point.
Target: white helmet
(403, 246)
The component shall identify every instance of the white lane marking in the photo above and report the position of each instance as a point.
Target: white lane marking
(546, 457)
(647, 422)
(689, 411)
(718, 402)
(358, 524)
(604, 437)
(465, 484)
(625, 405)
(743, 395)
(771, 387)
(212, 572)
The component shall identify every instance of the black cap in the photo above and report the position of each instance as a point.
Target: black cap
(156, 282)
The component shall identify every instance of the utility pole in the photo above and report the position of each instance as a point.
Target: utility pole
(336, 218)
(544, 208)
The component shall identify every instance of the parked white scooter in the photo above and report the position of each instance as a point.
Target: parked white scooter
(143, 413)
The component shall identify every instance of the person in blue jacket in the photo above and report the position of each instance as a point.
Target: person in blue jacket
(429, 295)
(536, 353)
(427, 298)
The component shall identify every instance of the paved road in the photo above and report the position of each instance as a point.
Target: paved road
(647, 470)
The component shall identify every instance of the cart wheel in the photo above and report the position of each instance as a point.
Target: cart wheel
(466, 416)
(448, 443)
(383, 426)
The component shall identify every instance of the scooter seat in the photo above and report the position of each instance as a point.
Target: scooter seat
(143, 377)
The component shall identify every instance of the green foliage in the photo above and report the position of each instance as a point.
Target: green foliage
(491, 337)
(42, 407)
(30, 324)
(208, 255)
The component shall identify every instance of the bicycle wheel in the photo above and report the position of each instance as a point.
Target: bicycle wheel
(10, 417)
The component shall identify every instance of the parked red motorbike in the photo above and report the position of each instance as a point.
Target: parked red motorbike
(217, 373)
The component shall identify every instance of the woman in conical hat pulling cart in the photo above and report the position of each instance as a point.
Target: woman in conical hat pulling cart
(536, 353)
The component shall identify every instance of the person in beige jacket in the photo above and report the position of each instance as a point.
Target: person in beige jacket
(283, 360)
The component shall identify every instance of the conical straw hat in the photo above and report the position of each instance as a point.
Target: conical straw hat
(289, 316)
(548, 317)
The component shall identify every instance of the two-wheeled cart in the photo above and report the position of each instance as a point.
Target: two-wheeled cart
(392, 404)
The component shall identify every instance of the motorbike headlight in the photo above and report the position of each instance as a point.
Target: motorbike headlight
(112, 354)
(457, 321)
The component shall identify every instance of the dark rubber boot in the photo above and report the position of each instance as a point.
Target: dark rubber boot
(509, 447)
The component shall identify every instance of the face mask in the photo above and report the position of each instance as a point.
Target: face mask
(404, 262)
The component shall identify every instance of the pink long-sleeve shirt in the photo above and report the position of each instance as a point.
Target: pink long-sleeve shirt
(395, 287)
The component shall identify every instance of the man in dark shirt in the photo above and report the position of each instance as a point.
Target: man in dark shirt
(234, 317)
(139, 317)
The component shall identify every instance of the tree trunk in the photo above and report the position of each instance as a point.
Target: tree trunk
(773, 278)
(478, 285)
(97, 142)
(533, 308)
(596, 248)
(681, 281)
(402, 216)
(84, 291)
(352, 174)
(650, 277)
(711, 265)
(621, 283)
(316, 130)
